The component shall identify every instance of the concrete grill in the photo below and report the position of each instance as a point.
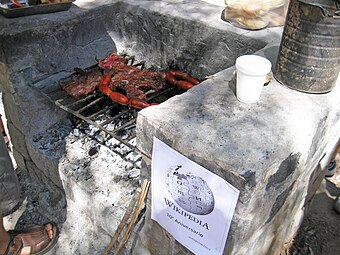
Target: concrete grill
(270, 151)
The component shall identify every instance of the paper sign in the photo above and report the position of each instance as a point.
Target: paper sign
(194, 205)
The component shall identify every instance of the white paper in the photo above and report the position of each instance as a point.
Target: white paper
(194, 205)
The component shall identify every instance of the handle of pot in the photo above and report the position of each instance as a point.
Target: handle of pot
(337, 12)
(327, 12)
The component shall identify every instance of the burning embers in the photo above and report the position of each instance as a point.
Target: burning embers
(123, 83)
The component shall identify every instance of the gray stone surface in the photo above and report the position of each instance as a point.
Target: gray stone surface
(18, 141)
(98, 189)
(47, 198)
(39, 46)
(11, 107)
(19, 159)
(268, 150)
(46, 149)
(89, 196)
(336, 205)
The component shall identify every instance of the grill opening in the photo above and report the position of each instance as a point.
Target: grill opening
(96, 109)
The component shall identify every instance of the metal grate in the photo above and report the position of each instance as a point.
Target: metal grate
(98, 110)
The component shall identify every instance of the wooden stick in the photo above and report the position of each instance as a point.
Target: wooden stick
(144, 191)
(121, 224)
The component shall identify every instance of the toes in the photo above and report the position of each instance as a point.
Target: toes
(49, 230)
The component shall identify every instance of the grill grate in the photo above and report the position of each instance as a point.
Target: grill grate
(98, 110)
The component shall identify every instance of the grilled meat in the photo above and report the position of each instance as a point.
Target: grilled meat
(79, 85)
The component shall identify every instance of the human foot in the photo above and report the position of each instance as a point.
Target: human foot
(34, 241)
(4, 241)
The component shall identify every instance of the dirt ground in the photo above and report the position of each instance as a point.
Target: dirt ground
(320, 230)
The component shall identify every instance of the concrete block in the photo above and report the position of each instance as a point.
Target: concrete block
(79, 224)
(12, 111)
(27, 114)
(18, 140)
(20, 160)
(203, 51)
(4, 76)
(46, 148)
(98, 190)
(48, 198)
(62, 49)
(267, 150)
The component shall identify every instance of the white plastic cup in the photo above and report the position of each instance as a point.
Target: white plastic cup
(251, 71)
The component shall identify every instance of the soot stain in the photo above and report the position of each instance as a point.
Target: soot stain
(286, 168)
(279, 202)
(249, 176)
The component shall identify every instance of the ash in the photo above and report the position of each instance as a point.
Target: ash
(95, 148)
(98, 176)
(90, 151)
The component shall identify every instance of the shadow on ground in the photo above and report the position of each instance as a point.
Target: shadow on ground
(320, 230)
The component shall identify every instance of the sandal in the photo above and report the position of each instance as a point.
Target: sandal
(13, 248)
(33, 241)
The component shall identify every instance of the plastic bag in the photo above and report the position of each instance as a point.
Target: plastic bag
(255, 14)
